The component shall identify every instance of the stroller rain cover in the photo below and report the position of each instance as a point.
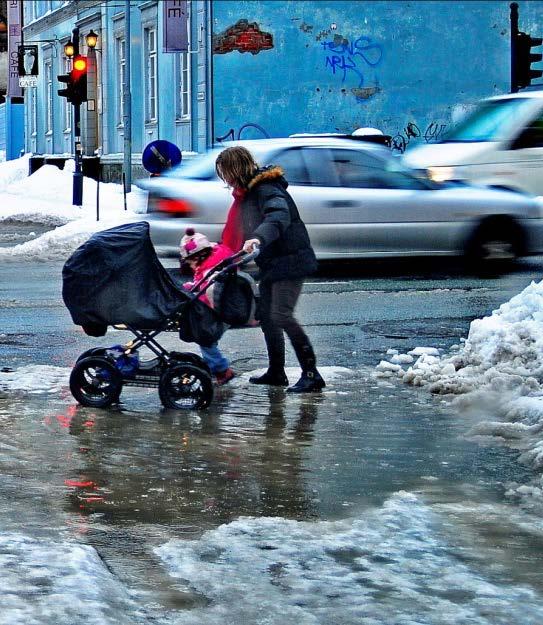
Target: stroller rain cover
(116, 278)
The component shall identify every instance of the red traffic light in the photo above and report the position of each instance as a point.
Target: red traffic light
(80, 64)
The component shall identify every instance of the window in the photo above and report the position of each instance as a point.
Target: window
(357, 169)
(67, 105)
(292, 163)
(48, 71)
(121, 68)
(184, 85)
(491, 121)
(150, 50)
(531, 136)
(33, 113)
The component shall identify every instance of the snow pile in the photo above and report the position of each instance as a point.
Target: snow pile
(46, 198)
(502, 352)
(12, 171)
(501, 361)
(393, 565)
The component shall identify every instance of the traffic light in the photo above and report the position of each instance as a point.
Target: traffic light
(524, 58)
(67, 93)
(79, 79)
(76, 82)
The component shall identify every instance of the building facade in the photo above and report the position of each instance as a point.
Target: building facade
(169, 91)
(270, 68)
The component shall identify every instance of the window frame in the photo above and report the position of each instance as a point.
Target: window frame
(184, 77)
(48, 96)
(151, 74)
(120, 55)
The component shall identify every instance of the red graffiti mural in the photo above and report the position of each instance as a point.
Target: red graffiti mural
(244, 36)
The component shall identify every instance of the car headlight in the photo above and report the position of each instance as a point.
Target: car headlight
(442, 174)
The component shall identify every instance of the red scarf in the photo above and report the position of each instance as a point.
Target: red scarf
(233, 235)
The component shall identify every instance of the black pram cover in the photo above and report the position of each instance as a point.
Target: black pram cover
(116, 277)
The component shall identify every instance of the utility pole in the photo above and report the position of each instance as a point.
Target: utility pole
(127, 103)
(514, 37)
(77, 196)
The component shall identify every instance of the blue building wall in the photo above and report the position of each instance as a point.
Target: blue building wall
(11, 129)
(407, 68)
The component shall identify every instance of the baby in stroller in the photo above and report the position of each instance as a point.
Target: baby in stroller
(202, 256)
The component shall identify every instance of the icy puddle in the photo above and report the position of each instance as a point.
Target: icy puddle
(363, 505)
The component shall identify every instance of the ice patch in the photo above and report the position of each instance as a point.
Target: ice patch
(44, 582)
(392, 566)
(35, 379)
(329, 374)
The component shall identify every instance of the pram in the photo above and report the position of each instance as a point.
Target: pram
(115, 279)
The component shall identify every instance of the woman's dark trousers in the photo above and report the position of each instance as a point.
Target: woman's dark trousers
(277, 303)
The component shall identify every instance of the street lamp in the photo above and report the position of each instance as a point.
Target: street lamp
(91, 39)
(69, 49)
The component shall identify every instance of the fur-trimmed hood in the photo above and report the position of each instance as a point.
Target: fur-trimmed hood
(273, 173)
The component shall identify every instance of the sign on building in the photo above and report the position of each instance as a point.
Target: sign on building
(14, 41)
(176, 36)
(28, 65)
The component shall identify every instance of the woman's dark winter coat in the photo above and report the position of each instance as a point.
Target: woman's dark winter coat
(270, 214)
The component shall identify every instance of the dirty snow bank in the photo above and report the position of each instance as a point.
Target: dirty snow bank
(500, 363)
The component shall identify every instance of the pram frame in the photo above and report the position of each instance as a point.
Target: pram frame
(150, 373)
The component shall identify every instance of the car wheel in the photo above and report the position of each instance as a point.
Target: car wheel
(494, 246)
(185, 387)
(95, 382)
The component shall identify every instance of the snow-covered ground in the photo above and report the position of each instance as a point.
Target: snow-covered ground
(498, 369)
(45, 198)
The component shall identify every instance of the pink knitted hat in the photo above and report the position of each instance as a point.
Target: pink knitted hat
(192, 243)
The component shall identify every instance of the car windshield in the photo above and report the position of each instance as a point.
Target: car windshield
(491, 121)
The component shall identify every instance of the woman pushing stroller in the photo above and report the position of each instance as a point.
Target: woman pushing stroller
(264, 214)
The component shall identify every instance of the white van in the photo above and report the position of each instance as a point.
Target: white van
(500, 144)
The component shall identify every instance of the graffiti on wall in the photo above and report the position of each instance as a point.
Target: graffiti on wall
(231, 135)
(243, 36)
(433, 133)
(345, 58)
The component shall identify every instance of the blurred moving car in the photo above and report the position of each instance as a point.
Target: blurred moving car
(358, 201)
(500, 144)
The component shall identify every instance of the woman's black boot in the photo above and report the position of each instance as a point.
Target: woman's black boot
(272, 378)
(311, 380)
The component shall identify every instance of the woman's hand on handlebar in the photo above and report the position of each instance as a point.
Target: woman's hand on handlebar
(250, 245)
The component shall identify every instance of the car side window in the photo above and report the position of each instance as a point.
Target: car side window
(307, 166)
(292, 163)
(357, 169)
(531, 136)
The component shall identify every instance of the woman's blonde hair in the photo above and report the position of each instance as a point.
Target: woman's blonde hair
(236, 166)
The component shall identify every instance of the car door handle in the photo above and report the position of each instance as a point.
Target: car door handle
(341, 204)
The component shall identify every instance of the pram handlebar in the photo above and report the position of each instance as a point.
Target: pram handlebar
(232, 262)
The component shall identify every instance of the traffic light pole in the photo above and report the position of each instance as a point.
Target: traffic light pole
(514, 38)
(77, 195)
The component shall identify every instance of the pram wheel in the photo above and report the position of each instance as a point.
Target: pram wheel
(95, 382)
(185, 387)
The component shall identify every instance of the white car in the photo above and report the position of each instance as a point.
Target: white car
(500, 144)
(358, 201)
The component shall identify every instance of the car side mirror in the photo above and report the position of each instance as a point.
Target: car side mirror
(531, 137)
